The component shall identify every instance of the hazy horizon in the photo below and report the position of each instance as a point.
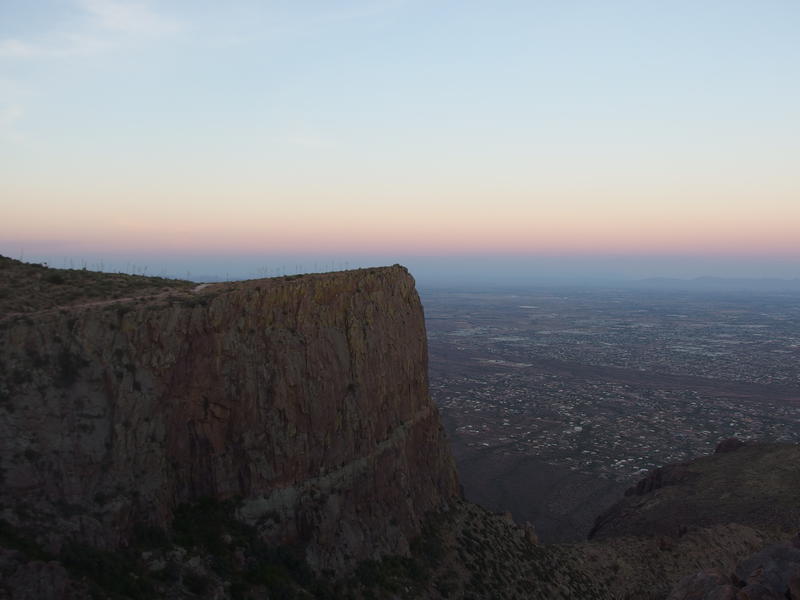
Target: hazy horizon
(470, 140)
(443, 271)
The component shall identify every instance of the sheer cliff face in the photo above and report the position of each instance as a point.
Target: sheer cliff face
(306, 399)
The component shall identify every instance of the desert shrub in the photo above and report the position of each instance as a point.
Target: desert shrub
(69, 367)
(111, 573)
(210, 525)
(428, 546)
(196, 583)
(147, 535)
(16, 539)
(20, 376)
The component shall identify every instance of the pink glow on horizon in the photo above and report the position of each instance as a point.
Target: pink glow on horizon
(565, 226)
(423, 240)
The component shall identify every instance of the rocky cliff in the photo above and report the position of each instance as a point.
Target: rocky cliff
(275, 439)
(305, 399)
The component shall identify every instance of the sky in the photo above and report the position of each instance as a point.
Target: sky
(468, 140)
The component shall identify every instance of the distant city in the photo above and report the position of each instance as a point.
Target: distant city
(609, 384)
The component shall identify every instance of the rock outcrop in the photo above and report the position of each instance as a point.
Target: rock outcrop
(771, 574)
(682, 530)
(304, 399)
(757, 485)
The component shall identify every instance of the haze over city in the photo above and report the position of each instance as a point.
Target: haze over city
(475, 142)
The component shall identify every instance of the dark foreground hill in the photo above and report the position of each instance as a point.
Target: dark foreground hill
(273, 439)
(692, 527)
(731, 485)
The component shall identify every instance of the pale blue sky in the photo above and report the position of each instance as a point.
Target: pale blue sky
(161, 131)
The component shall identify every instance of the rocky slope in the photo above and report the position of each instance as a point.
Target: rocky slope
(699, 529)
(751, 484)
(304, 398)
(275, 439)
(770, 574)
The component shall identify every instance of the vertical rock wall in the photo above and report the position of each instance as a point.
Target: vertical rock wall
(305, 399)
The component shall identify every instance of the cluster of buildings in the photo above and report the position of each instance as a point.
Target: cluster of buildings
(613, 384)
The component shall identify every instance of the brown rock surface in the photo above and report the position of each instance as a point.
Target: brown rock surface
(307, 398)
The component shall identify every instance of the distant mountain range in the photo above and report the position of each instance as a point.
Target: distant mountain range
(721, 284)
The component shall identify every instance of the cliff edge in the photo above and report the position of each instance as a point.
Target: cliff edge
(303, 400)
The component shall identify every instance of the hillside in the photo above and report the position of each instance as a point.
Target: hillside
(690, 527)
(27, 287)
(731, 485)
(275, 438)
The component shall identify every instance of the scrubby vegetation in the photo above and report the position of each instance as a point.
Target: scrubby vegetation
(206, 552)
(27, 287)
